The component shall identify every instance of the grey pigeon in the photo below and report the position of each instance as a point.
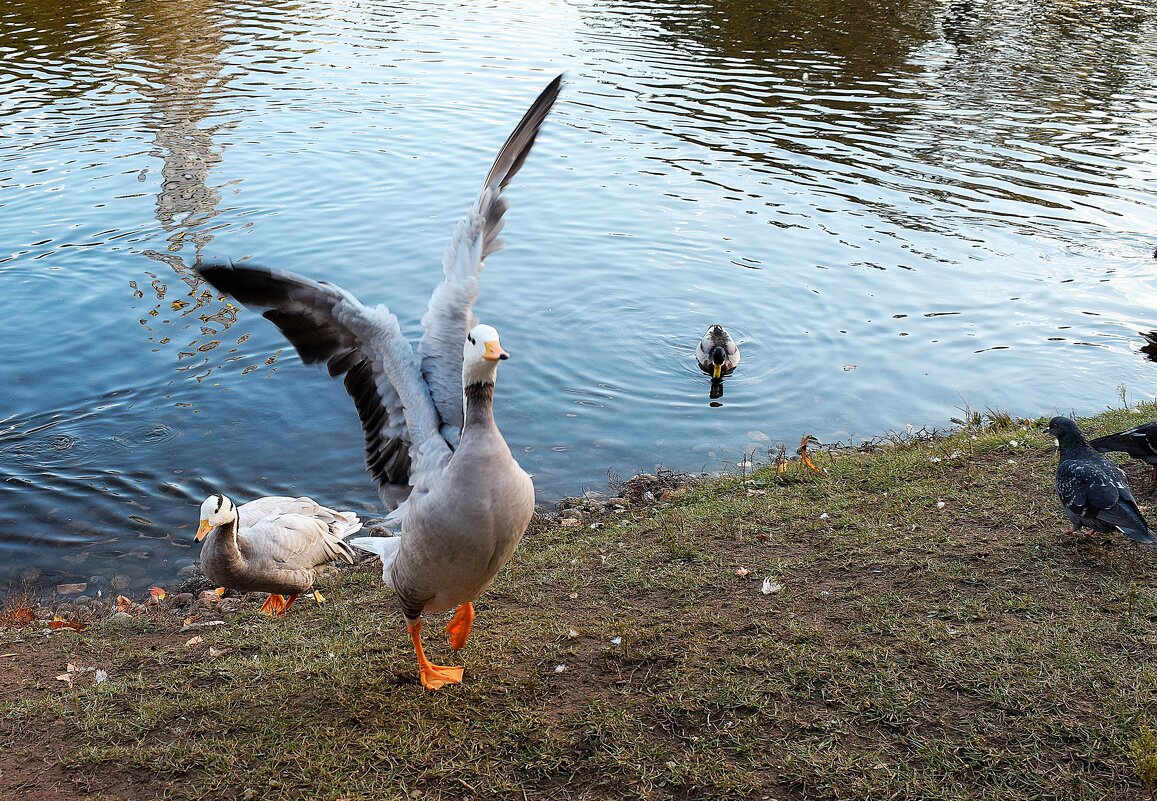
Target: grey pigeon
(1092, 489)
(1139, 442)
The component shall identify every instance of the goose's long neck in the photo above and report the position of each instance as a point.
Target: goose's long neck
(223, 541)
(479, 406)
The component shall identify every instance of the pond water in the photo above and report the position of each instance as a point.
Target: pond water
(898, 208)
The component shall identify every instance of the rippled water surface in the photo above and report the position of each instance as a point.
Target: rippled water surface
(899, 208)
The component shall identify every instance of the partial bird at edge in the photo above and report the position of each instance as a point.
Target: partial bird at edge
(1139, 442)
(1093, 491)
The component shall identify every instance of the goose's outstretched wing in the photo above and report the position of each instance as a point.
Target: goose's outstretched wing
(449, 316)
(365, 345)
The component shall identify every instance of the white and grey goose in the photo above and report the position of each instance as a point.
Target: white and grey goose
(274, 544)
(431, 441)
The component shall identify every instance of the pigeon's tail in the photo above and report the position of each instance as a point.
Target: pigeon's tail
(1127, 518)
(1140, 443)
(1145, 535)
(1112, 442)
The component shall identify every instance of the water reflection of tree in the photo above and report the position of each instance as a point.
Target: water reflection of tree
(916, 97)
(863, 38)
(185, 42)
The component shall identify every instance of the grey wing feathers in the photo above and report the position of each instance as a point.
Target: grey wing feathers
(1139, 442)
(449, 316)
(297, 542)
(327, 324)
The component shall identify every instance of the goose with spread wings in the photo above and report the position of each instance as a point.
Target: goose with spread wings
(431, 441)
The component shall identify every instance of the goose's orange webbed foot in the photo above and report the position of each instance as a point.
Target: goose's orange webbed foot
(459, 626)
(277, 604)
(434, 677)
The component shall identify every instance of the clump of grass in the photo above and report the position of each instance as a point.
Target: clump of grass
(1144, 750)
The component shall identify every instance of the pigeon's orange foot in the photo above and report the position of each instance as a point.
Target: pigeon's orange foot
(277, 604)
(434, 677)
(459, 626)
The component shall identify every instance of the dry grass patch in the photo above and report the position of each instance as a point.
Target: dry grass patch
(934, 635)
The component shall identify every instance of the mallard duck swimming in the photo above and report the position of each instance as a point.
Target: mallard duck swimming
(1139, 442)
(432, 445)
(275, 545)
(717, 354)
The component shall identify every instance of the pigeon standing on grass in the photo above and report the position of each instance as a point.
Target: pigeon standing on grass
(1092, 489)
(1139, 442)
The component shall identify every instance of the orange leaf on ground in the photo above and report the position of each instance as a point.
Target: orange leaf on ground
(157, 592)
(22, 616)
(58, 622)
(123, 603)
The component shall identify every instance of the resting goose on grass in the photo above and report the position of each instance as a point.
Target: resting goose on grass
(274, 545)
(432, 445)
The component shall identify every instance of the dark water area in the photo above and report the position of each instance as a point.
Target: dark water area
(898, 208)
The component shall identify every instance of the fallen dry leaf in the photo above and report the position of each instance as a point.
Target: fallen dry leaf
(743, 571)
(158, 593)
(191, 625)
(194, 641)
(123, 603)
(58, 622)
(20, 616)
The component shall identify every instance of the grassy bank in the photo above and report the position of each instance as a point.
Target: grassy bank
(913, 624)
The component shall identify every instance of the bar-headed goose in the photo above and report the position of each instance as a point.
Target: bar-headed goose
(274, 545)
(432, 445)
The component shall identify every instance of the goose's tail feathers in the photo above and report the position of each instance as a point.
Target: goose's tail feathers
(385, 547)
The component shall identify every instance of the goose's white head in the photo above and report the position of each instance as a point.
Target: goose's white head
(481, 354)
(216, 510)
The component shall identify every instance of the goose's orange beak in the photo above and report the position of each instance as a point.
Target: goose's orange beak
(494, 352)
(203, 529)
